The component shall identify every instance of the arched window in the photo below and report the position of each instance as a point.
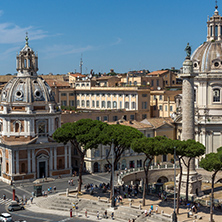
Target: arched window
(77, 102)
(83, 102)
(108, 104)
(133, 105)
(25, 63)
(87, 103)
(93, 103)
(130, 83)
(216, 95)
(23, 168)
(103, 104)
(17, 126)
(135, 83)
(216, 30)
(114, 104)
(126, 105)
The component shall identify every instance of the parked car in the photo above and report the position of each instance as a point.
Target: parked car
(15, 206)
(5, 217)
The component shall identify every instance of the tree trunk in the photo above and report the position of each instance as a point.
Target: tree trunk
(212, 197)
(80, 173)
(188, 174)
(179, 186)
(145, 185)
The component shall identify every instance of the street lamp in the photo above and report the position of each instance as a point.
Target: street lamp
(174, 201)
(113, 197)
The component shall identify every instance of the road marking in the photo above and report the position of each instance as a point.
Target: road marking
(24, 190)
(65, 219)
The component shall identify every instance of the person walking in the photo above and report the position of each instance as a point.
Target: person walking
(97, 215)
(86, 213)
(112, 215)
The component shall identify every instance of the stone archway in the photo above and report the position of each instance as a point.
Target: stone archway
(96, 167)
(162, 179)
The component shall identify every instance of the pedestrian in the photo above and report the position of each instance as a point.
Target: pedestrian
(151, 207)
(112, 215)
(4, 197)
(105, 214)
(145, 212)
(54, 188)
(31, 199)
(156, 209)
(97, 215)
(86, 213)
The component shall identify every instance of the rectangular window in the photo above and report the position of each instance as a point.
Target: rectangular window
(98, 118)
(160, 107)
(71, 94)
(63, 94)
(120, 104)
(144, 105)
(97, 104)
(93, 103)
(71, 103)
(166, 82)
(115, 118)
(64, 103)
(132, 117)
(154, 107)
(157, 82)
(148, 135)
(144, 95)
(154, 96)
(171, 108)
(160, 97)
(125, 117)
(152, 82)
(165, 107)
(105, 118)
(144, 116)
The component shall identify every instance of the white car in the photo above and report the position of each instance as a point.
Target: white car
(6, 217)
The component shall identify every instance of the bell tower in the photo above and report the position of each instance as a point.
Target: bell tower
(27, 61)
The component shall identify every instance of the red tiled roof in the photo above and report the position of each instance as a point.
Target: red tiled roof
(54, 82)
(77, 75)
(158, 72)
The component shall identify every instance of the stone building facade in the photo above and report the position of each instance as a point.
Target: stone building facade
(28, 117)
(207, 65)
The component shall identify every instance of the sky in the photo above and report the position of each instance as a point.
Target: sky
(122, 35)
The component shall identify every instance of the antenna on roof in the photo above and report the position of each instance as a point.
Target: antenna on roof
(80, 65)
(216, 6)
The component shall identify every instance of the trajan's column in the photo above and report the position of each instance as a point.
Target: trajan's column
(188, 123)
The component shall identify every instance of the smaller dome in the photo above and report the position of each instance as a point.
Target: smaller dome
(208, 57)
(27, 90)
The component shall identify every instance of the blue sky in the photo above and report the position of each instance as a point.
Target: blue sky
(120, 34)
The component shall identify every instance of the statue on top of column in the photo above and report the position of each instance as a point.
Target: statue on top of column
(188, 50)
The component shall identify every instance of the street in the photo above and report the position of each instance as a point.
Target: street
(24, 190)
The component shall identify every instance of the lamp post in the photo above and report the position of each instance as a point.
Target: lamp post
(174, 199)
(113, 197)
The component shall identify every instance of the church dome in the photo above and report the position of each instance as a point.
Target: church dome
(26, 90)
(208, 56)
(27, 87)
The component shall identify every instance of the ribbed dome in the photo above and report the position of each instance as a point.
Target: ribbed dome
(208, 57)
(26, 90)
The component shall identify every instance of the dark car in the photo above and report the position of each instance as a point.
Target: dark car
(15, 206)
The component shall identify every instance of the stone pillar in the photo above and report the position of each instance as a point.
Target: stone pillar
(188, 125)
(55, 158)
(29, 161)
(51, 159)
(33, 161)
(13, 164)
(17, 161)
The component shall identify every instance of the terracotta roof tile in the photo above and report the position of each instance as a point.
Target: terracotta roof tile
(158, 122)
(158, 72)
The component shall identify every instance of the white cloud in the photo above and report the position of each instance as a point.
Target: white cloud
(11, 33)
(118, 41)
(58, 50)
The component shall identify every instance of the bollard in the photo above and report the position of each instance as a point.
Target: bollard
(70, 212)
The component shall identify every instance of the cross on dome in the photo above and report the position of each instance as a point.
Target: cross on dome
(27, 38)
